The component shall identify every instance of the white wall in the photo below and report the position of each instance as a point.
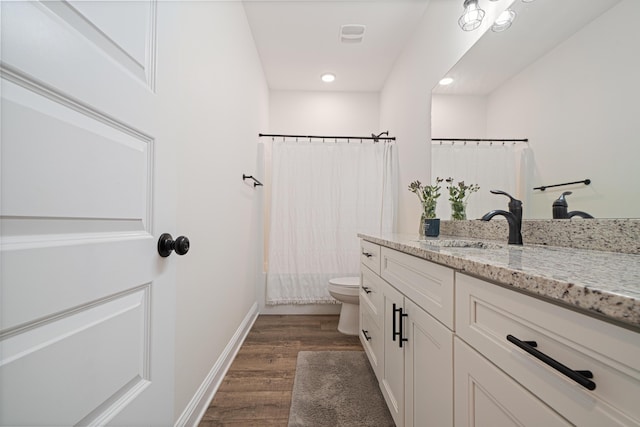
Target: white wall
(324, 113)
(458, 116)
(578, 105)
(222, 106)
(405, 103)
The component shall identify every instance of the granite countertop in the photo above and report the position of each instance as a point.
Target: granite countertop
(599, 282)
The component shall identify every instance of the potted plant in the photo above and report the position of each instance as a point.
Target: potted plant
(458, 195)
(428, 196)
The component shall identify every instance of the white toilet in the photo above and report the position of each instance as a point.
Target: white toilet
(347, 291)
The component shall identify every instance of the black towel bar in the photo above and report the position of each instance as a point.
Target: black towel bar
(255, 181)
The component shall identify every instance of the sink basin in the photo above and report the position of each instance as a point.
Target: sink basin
(460, 243)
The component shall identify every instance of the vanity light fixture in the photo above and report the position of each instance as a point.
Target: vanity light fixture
(446, 81)
(504, 21)
(328, 77)
(472, 16)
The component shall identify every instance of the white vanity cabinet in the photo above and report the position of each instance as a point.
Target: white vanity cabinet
(486, 314)
(415, 367)
(451, 349)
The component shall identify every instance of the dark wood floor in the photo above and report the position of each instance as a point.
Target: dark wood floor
(257, 389)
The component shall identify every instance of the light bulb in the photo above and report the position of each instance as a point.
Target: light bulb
(504, 21)
(472, 16)
(446, 81)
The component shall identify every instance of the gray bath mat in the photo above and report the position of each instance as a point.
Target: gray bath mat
(336, 388)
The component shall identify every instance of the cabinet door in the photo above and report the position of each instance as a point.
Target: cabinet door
(392, 383)
(428, 370)
(486, 396)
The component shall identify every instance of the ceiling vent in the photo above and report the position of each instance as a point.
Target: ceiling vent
(352, 33)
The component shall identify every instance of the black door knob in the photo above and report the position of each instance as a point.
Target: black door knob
(166, 245)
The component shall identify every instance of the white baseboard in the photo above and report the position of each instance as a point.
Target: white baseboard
(196, 408)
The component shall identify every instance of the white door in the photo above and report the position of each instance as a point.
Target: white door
(86, 332)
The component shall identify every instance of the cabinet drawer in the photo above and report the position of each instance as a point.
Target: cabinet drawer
(487, 313)
(486, 396)
(372, 340)
(371, 293)
(370, 255)
(427, 284)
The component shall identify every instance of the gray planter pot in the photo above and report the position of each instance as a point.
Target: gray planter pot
(432, 227)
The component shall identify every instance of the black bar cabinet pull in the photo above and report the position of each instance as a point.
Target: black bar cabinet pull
(393, 328)
(367, 337)
(367, 254)
(400, 333)
(581, 377)
(366, 289)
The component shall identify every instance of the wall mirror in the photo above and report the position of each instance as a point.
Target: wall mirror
(564, 75)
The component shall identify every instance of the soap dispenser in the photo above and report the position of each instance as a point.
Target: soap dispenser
(560, 208)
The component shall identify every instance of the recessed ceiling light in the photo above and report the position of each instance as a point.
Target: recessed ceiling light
(446, 81)
(328, 77)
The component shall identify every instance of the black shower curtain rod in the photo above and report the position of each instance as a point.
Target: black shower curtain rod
(373, 137)
(479, 140)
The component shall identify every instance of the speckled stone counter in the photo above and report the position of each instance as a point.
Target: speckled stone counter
(613, 235)
(596, 282)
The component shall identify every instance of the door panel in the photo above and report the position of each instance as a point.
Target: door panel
(99, 353)
(86, 309)
(66, 164)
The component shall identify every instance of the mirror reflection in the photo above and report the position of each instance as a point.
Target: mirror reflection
(563, 76)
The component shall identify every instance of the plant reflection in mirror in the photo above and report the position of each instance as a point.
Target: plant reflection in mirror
(458, 196)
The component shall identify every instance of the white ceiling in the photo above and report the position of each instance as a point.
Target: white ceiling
(299, 40)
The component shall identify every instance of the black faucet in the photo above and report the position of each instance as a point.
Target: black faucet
(514, 218)
(560, 209)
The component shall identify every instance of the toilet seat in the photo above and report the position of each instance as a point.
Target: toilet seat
(346, 282)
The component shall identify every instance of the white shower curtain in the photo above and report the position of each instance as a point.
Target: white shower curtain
(493, 166)
(322, 195)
